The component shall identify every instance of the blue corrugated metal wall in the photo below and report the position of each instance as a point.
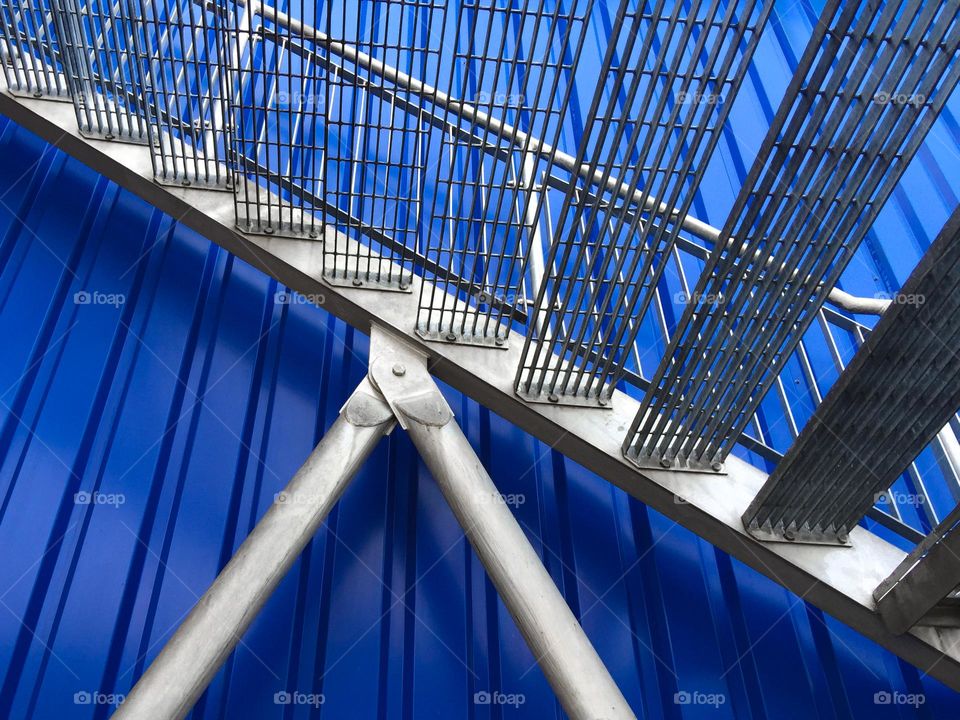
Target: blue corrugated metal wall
(184, 395)
(180, 392)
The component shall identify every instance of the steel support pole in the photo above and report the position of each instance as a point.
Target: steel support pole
(576, 673)
(186, 665)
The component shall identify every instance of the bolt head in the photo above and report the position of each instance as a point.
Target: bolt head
(399, 370)
(716, 467)
(451, 336)
(357, 282)
(790, 535)
(554, 398)
(665, 462)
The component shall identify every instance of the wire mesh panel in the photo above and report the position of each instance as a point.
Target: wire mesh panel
(508, 89)
(669, 78)
(30, 50)
(270, 89)
(327, 138)
(375, 163)
(869, 86)
(104, 56)
(186, 89)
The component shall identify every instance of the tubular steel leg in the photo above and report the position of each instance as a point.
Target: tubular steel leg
(190, 659)
(575, 671)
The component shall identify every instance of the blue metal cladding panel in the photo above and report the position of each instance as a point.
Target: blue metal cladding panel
(155, 393)
(179, 389)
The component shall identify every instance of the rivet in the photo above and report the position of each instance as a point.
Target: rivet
(842, 536)
(499, 341)
(790, 535)
(268, 230)
(553, 398)
(451, 336)
(38, 94)
(716, 467)
(665, 462)
(108, 136)
(313, 235)
(357, 282)
(185, 182)
(399, 370)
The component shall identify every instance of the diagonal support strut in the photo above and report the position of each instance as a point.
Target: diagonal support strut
(576, 673)
(187, 663)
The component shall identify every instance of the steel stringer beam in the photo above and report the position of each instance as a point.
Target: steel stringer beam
(901, 388)
(840, 581)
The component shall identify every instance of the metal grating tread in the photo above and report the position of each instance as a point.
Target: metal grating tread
(829, 162)
(894, 397)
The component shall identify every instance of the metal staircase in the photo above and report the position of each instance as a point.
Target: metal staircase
(426, 171)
